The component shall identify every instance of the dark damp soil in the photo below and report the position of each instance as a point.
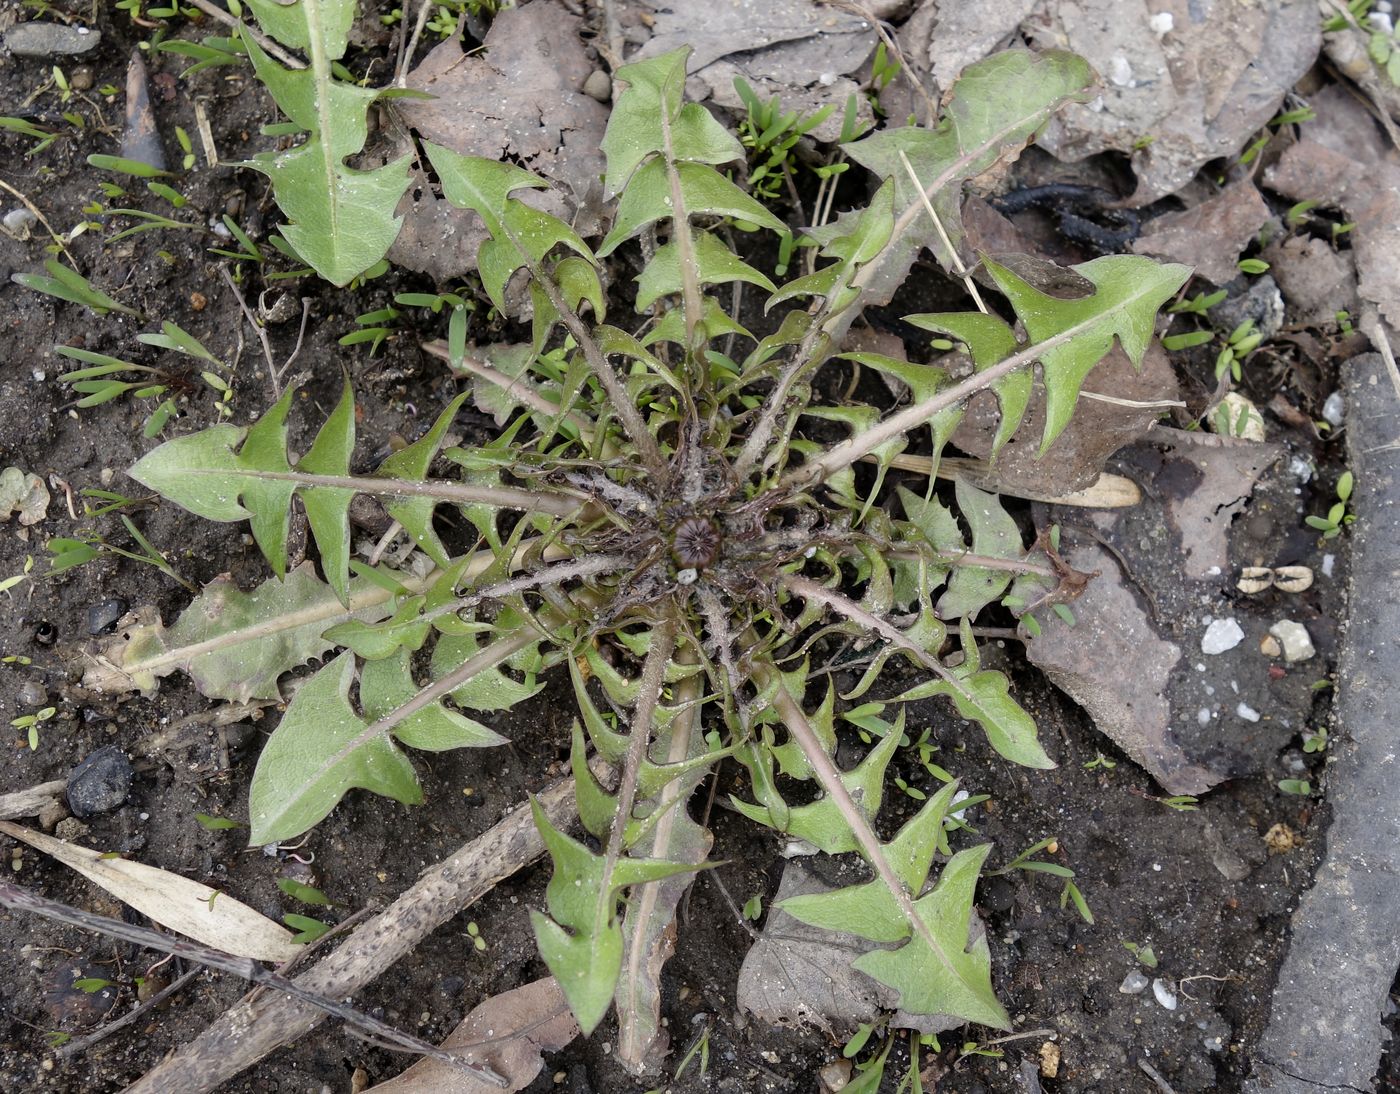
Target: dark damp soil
(1151, 875)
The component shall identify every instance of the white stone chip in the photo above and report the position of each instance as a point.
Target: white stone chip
(1295, 640)
(1221, 635)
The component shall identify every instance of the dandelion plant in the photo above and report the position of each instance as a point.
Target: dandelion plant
(675, 526)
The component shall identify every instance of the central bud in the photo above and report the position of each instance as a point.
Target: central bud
(696, 543)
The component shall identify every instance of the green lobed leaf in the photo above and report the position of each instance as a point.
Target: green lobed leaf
(316, 754)
(328, 509)
(580, 939)
(229, 473)
(994, 535)
(984, 696)
(234, 645)
(388, 683)
(704, 190)
(521, 235)
(956, 977)
(327, 23)
(820, 822)
(715, 263)
(870, 910)
(991, 339)
(489, 690)
(634, 128)
(996, 106)
(341, 220)
(1069, 336)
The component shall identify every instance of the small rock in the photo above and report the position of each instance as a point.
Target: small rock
(1247, 712)
(1221, 635)
(1262, 303)
(1162, 992)
(1269, 647)
(52, 815)
(69, 829)
(598, 85)
(50, 40)
(834, 1076)
(103, 616)
(100, 783)
(1334, 410)
(1133, 983)
(1329, 564)
(1295, 640)
(81, 79)
(19, 222)
(33, 694)
(1049, 1060)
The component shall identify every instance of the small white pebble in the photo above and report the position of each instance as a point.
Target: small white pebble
(1300, 469)
(1161, 23)
(1120, 71)
(1156, 867)
(1380, 22)
(1203, 716)
(1247, 712)
(40, 375)
(826, 79)
(1294, 638)
(1334, 410)
(1133, 983)
(1163, 993)
(1221, 635)
(1329, 562)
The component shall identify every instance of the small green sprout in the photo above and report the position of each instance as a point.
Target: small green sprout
(215, 824)
(31, 723)
(307, 894)
(1295, 786)
(308, 929)
(1143, 952)
(1337, 516)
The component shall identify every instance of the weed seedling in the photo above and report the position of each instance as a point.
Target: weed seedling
(1337, 516)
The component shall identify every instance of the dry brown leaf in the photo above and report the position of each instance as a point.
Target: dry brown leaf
(521, 98)
(719, 28)
(1317, 280)
(1096, 431)
(520, 1024)
(1086, 662)
(799, 975)
(1198, 91)
(1368, 192)
(175, 902)
(800, 51)
(1209, 236)
(943, 37)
